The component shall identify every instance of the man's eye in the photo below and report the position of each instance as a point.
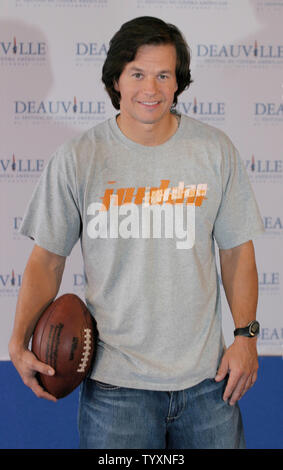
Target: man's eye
(137, 75)
(162, 76)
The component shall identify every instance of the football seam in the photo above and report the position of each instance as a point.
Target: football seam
(86, 350)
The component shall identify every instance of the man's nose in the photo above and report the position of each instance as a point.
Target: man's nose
(150, 85)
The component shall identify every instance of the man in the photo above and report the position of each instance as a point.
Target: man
(148, 192)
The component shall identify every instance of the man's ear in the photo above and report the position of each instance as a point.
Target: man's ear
(116, 85)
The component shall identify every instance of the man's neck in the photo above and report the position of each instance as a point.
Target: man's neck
(148, 134)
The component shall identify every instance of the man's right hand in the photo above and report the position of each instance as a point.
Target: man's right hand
(27, 366)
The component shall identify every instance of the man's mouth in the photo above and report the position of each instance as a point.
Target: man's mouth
(149, 104)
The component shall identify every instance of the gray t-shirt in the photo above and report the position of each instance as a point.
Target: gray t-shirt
(147, 218)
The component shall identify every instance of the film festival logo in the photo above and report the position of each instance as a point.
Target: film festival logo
(270, 336)
(62, 3)
(269, 282)
(206, 111)
(264, 171)
(23, 169)
(16, 170)
(273, 225)
(59, 111)
(79, 283)
(90, 53)
(10, 284)
(15, 225)
(268, 113)
(188, 4)
(269, 6)
(255, 54)
(15, 52)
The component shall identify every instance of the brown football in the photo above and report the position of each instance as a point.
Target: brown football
(65, 338)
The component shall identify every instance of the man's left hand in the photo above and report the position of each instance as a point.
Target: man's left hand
(240, 361)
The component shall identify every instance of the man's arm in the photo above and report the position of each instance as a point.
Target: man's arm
(40, 285)
(240, 282)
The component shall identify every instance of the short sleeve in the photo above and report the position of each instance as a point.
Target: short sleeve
(52, 218)
(238, 218)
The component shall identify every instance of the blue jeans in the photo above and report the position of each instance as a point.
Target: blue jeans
(112, 417)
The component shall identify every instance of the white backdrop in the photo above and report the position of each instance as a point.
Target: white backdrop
(51, 56)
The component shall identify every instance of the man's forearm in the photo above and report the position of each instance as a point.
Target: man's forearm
(40, 285)
(240, 282)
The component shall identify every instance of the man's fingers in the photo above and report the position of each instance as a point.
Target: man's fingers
(250, 382)
(239, 390)
(33, 364)
(234, 387)
(237, 386)
(254, 377)
(40, 392)
(43, 368)
(222, 370)
(30, 367)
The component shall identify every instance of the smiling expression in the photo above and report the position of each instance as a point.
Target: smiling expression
(147, 85)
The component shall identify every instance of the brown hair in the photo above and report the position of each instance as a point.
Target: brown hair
(134, 34)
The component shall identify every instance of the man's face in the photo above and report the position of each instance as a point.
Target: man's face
(147, 84)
